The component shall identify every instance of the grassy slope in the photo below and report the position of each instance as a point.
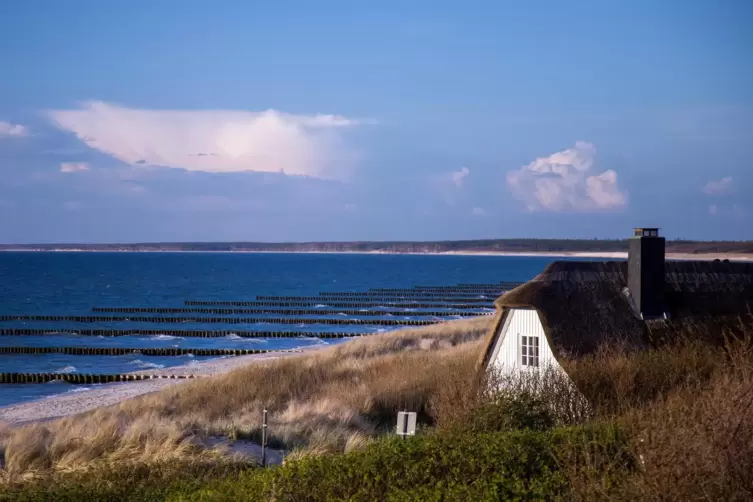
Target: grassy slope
(327, 401)
(674, 423)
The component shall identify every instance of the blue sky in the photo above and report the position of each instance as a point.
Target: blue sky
(177, 120)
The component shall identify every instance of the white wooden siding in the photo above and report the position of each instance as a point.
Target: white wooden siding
(506, 354)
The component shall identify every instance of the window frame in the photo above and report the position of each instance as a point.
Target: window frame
(530, 351)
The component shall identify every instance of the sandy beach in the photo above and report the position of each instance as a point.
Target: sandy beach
(616, 255)
(80, 400)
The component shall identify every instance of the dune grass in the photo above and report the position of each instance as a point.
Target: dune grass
(328, 401)
(671, 423)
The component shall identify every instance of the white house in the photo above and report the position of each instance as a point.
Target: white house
(574, 307)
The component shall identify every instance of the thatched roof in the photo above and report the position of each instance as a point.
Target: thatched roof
(583, 304)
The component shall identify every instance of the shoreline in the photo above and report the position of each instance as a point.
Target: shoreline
(102, 395)
(617, 255)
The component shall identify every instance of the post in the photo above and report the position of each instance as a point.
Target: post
(264, 438)
(405, 424)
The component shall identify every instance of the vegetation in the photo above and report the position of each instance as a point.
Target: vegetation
(522, 465)
(671, 423)
(485, 245)
(329, 401)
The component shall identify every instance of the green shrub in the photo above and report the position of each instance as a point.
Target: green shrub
(520, 465)
(124, 482)
(503, 412)
(517, 465)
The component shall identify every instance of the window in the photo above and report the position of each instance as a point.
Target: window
(529, 350)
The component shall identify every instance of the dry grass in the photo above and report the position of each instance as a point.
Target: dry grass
(333, 400)
(687, 410)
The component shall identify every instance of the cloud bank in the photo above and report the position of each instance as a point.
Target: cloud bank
(12, 130)
(567, 181)
(718, 187)
(217, 141)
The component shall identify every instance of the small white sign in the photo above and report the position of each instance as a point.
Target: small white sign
(406, 423)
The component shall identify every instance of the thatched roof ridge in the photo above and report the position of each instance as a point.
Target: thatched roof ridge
(584, 304)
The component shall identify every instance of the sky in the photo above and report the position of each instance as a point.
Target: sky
(168, 120)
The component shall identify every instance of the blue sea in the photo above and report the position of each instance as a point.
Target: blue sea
(71, 283)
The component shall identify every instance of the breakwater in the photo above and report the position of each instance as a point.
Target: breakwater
(336, 304)
(321, 311)
(222, 320)
(144, 351)
(387, 307)
(356, 298)
(79, 378)
(180, 333)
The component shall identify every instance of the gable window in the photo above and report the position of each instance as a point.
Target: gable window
(529, 350)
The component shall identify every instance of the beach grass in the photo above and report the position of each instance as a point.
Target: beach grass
(331, 400)
(671, 423)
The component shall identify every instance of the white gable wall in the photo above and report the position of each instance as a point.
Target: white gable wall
(506, 359)
(506, 354)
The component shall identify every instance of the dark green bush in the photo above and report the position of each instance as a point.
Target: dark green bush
(517, 465)
(124, 482)
(520, 465)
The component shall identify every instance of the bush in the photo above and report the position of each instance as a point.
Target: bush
(616, 380)
(521, 465)
(125, 481)
(511, 412)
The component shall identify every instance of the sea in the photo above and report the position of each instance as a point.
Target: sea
(72, 283)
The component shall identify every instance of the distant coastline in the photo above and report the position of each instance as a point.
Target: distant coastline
(555, 248)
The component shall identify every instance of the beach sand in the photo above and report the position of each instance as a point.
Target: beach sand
(71, 403)
(616, 255)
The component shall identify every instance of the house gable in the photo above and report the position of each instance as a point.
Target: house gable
(507, 353)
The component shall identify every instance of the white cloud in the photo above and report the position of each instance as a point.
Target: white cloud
(567, 181)
(478, 211)
(459, 176)
(213, 140)
(718, 187)
(713, 209)
(12, 130)
(73, 167)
